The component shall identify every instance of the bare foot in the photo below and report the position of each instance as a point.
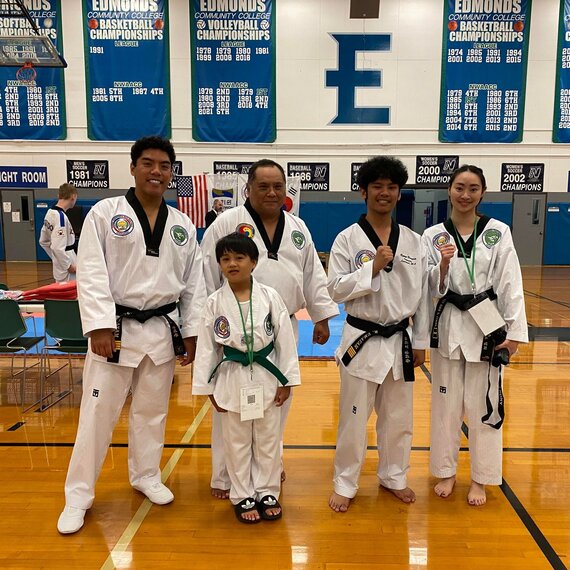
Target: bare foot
(444, 487)
(476, 496)
(283, 476)
(220, 493)
(252, 515)
(339, 503)
(405, 495)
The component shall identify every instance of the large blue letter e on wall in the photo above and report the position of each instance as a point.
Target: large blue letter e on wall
(347, 78)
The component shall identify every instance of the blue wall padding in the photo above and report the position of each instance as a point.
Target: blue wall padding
(557, 235)
(502, 211)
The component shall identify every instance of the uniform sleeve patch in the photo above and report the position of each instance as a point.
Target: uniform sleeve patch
(246, 229)
(222, 327)
(179, 235)
(363, 256)
(441, 240)
(122, 225)
(298, 239)
(491, 237)
(268, 325)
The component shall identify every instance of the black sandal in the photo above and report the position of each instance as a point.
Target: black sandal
(269, 502)
(246, 506)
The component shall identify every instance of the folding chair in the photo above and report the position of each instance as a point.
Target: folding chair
(63, 325)
(12, 339)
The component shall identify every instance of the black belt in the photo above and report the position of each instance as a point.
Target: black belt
(464, 303)
(142, 316)
(374, 329)
(70, 247)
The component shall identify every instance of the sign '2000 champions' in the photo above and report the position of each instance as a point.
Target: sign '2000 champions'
(233, 70)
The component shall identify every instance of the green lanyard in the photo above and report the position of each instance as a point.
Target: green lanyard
(470, 270)
(248, 340)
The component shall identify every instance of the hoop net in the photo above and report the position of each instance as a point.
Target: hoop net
(26, 73)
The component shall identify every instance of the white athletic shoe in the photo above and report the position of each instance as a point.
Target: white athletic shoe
(70, 520)
(156, 493)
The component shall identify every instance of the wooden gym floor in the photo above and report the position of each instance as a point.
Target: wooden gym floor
(525, 523)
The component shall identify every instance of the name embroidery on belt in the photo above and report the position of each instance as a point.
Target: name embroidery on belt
(95, 393)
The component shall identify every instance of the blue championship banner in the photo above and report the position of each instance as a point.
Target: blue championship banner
(561, 127)
(233, 70)
(128, 73)
(484, 61)
(35, 110)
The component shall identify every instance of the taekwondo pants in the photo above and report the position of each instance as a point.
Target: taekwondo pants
(105, 389)
(459, 390)
(220, 478)
(253, 459)
(393, 403)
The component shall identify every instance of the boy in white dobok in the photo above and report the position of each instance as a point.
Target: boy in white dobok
(378, 270)
(137, 259)
(57, 237)
(246, 361)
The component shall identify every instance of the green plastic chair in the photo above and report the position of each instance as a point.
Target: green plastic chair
(12, 339)
(63, 325)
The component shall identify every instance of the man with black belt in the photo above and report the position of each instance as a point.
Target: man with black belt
(57, 237)
(137, 258)
(378, 270)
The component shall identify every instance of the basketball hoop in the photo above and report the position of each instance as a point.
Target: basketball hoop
(26, 73)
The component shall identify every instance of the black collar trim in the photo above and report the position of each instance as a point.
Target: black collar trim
(272, 246)
(467, 245)
(154, 239)
(375, 240)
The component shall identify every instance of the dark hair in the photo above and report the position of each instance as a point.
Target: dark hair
(469, 168)
(153, 142)
(263, 163)
(236, 243)
(382, 168)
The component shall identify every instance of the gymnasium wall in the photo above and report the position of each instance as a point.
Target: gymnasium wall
(411, 75)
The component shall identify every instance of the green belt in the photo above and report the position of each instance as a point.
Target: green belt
(235, 355)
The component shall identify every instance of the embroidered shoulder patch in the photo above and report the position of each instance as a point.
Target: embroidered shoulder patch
(246, 229)
(298, 239)
(363, 256)
(122, 225)
(222, 327)
(179, 235)
(491, 237)
(268, 325)
(441, 240)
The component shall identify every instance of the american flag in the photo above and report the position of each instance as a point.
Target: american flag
(192, 193)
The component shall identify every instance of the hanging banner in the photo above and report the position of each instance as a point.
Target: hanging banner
(484, 61)
(561, 127)
(233, 70)
(23, 177)
(522, 177)
(88, 173)
(34, 110)
(128, 73)
(314, 176)
(230, 168)
(435, 169)
(354, 168)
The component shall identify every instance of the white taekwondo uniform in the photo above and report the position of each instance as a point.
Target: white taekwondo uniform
(251, 447)
(374, 378)
(57, 238)
(459, 378)
(292, 268)
(121, 262)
